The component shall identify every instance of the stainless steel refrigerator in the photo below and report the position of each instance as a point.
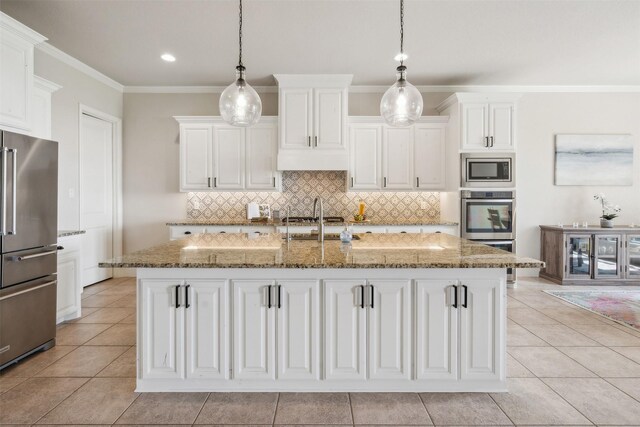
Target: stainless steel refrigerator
(28, 245)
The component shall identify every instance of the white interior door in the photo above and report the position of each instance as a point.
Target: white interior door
(96, 197)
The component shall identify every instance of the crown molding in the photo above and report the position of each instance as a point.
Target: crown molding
(380, 120)
(45, 84)
(79, 65)
(217, 119)
(191, 89)
(18, 28)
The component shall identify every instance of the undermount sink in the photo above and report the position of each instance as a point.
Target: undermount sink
(328, 236)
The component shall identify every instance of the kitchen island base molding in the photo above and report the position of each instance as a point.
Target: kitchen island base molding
(320, 329)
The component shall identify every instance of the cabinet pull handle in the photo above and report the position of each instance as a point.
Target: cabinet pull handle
(274, 182)
(186, 296)
(187, 232)
(177, 296)
(464, 304)
(315, 141)
(361, 296)
(209, 182)
(491, 138)
(372, 295)
(417, 181)
(385, 182)
(309, 141)
(215, 181)
(455, 296)
(269, 296)
(351, 182)
(486, 141)
(279, 296)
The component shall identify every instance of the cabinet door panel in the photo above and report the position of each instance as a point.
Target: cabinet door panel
(436, 330)
(262, 147)
(297, 327)
(195, 157)
(579, 259)
(228, 157)
(482, 330)
(608, 257)
(253, 331)
(389, 329)
(501, 125)
(397, 159)
(206, 329)
(295, 118)
(345, 328)
(429, 157)
(329, 118)
(475, 125)
(633, 257)
(16, 81)
(366, 164)
(68, 300)
(162, 326)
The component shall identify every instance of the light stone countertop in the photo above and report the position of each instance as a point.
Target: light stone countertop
(65, 233)
(246, 222)
(270, 250)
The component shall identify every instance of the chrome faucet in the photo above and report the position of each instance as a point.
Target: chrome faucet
(320, 218)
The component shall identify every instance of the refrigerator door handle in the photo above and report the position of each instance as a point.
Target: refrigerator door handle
(14, 190)
(3, 191)
(38, 255)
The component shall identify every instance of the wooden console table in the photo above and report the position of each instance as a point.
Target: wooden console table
(590, 255)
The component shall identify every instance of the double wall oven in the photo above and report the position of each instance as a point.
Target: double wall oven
(489, 217)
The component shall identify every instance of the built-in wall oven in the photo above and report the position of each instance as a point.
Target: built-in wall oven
(487, 170)
(489, 218)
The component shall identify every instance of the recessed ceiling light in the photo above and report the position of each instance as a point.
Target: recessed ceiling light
(168, 57)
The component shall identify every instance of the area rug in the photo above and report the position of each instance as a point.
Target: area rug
(620, 306)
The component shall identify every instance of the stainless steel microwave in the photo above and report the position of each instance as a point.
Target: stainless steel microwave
(487, 170)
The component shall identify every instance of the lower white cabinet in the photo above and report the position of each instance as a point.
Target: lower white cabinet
(368, 329)
(266, 312)
(184, 331)
(69, 288)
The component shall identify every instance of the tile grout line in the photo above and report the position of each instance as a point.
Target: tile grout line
(353, 421)
(195, 420)
(426, 409)
(63, 400)
(568, 403)
(273, 420)
(618, 388)
(126, 409)
(500, 407)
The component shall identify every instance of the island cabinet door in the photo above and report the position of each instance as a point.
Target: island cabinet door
(162, 334)
(345, 329)
(389, 329)
(205, 307)
(253, 330)
(436, 330)
(297, 328)
(482, 329)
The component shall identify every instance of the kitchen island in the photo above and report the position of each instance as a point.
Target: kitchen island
(256, 312)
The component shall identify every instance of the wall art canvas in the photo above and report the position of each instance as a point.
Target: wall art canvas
(594, 160)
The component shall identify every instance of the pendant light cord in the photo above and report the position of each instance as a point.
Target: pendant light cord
(240, 37)
(401, 32)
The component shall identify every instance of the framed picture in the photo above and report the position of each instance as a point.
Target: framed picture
(594, 160)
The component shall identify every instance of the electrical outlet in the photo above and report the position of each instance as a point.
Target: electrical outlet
(424, 206)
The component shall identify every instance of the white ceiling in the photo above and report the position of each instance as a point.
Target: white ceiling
(449, 42)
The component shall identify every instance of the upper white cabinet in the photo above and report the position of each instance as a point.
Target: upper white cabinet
(41, 107)
(312, 113)
(487, 121)
(215, 156)
(16, 73)
(397, 159)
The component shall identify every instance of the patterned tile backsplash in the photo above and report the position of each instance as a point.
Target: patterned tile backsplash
(299, 188)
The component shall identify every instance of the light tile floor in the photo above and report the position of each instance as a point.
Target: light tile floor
(566, 366)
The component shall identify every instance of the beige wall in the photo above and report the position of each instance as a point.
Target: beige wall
(77, 88)
(540, 118)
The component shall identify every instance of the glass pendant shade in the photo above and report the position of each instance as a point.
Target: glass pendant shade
(240, 104)
(402, 103)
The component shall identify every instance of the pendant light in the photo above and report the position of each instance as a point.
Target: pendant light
(240, 104)
(401, 104)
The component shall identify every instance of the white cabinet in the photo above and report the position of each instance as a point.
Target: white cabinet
(162, 350)
(206, 306)
(41, 107)
(436, 330)
(312, 114)
(482, 329)
(345, 329)
(385, 158)
(264, 310)
(215, 156)
(368, 329)
(184, 329)
(365, 171)
(429, 158)
(397, 155)
(501, 125)
(16, 74)
(69, 288)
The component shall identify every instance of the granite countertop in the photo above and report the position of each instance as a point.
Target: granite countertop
(246, 222)
(569, 228)
(270, 250)
(65, 233)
